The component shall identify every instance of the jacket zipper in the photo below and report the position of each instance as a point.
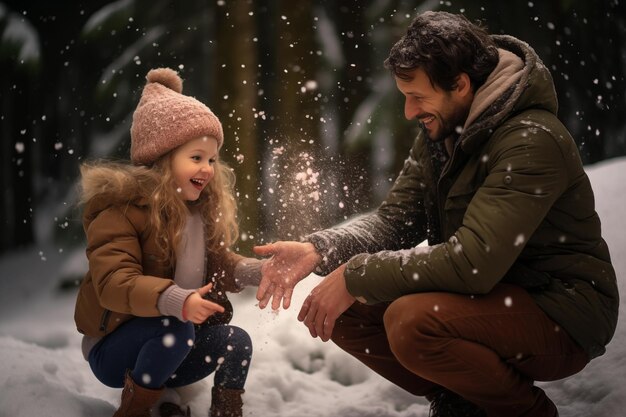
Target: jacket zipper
(442, 199)
(105, 320)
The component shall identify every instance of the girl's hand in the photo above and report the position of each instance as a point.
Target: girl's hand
(197, 309)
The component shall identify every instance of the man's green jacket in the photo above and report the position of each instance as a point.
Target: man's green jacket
(511, 204)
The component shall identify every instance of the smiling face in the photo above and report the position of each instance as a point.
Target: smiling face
(193, 166)
(440, 112)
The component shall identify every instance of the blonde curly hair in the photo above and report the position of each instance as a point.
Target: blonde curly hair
(122, 183)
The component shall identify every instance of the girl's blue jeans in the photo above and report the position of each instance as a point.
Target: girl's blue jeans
(163, 351)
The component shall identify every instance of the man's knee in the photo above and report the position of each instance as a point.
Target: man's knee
(398, 321)
(409, 325)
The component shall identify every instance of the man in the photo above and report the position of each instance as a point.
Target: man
(516, 283)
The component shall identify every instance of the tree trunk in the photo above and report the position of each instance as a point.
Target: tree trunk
(235, 97)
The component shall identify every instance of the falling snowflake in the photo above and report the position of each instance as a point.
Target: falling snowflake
(508, 301)
(169, 340)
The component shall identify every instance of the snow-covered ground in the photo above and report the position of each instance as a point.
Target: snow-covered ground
(42, 372)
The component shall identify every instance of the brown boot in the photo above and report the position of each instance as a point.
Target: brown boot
(136, 400)
(226, 402)
(167, 409)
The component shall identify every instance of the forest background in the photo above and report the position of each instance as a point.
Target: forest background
(313, 123)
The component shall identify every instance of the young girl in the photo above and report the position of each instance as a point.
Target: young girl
(152, 306)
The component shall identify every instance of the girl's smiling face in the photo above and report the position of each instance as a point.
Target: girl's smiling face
(193, 166)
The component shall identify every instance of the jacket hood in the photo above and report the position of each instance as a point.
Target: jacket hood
(533, 90)
(107, 185)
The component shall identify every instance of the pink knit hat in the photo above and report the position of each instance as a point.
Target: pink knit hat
(166, 119)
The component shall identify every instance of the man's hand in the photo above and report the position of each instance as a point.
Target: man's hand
(197, 309)
(290, 262)
(325, 304)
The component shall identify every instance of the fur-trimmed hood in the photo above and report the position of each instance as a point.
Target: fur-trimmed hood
(114, 184)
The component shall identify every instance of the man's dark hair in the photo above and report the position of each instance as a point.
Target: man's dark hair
(444, 45)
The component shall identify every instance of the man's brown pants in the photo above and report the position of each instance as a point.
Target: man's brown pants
(489, 349)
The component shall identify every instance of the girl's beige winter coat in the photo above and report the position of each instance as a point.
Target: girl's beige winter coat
(126, 273)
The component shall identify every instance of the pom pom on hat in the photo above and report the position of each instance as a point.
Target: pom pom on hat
(165, 118)
(166, 77)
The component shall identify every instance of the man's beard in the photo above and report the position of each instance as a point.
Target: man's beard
(449, 125)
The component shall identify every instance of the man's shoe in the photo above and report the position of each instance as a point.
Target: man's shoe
(448, 404)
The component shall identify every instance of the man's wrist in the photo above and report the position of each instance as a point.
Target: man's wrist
(319, 245)
(313, 251)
